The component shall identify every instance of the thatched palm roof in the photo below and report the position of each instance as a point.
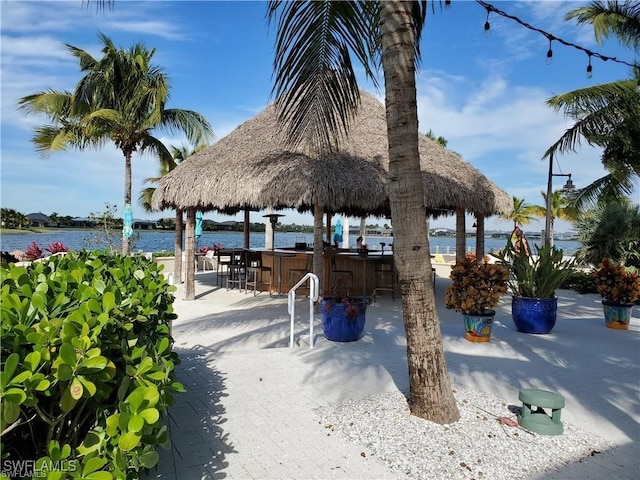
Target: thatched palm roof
(251, 167)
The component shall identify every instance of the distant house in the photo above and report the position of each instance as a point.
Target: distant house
(144, 224)
(227, 226)
(80, 222)
(38, 219)
(442, 232)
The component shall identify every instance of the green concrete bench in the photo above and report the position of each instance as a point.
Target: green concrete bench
(533, 416)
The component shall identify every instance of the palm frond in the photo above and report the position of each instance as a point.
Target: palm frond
(145, 198)
(315, 84)
(621, 19)
(195, 126)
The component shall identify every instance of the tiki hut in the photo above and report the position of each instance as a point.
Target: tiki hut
(253, 168)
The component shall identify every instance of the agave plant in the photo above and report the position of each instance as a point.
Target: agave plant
(536, 276)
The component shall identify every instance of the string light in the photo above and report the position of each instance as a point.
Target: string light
(447, 3)
(550, 51)
(487, 25)
(589, 67)
(604, 58)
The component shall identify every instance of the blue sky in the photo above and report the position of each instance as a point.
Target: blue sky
(485, 95)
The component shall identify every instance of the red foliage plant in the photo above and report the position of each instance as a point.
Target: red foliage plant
(56, 247)
(32, 252)
(215, 247)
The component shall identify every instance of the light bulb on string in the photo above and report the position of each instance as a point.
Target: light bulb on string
(447, 4)
(549, 53)
(487, 26)
(589, 68)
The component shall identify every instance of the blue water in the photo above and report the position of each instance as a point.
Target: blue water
(155, 241)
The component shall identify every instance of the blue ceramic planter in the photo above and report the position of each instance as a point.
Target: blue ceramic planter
(343, 322)
(534, 315)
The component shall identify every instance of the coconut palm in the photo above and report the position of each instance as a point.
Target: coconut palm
(317, 92)
(561, 208)
(178, 154)
(606, 115)
(522, 213)
(121, 98)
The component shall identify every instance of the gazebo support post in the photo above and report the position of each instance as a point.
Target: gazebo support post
(318, 216)
(246, 227)
(479, 237)
(461, 235)
(177, 249)
(329, 239)
(190, 233)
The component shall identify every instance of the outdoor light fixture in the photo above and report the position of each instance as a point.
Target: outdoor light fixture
(487, 25)
(569, 190)
(589, 68)
(273, 219)
(549, 60)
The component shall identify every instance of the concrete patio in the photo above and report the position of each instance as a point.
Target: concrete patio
(248, 410)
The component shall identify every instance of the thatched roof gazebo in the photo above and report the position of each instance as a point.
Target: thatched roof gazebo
(253, 168)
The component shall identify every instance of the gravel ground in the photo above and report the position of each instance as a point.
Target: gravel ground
(478, 446)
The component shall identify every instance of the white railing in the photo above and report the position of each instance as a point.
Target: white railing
(313, 297)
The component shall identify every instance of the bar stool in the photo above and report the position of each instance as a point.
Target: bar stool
(295, 274)
(236, 270)
(254, 271)
(340, 279)
(385, 274)
(223, 260)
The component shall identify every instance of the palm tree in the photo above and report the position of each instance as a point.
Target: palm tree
(316, 89)
(120, 98)
(610, 231)
(522, 213)
(439, 140)
(606, 115)
(178, 154)
(561, 208)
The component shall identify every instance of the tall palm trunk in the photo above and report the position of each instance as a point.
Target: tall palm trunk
(126, 245)
(430, 387)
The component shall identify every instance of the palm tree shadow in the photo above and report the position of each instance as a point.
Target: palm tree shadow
(196, 421)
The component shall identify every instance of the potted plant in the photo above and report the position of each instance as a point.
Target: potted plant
(475, 290)
(533, 281)
(343, 318)
(620, 288)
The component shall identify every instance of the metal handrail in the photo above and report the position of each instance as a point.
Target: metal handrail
(313, 297)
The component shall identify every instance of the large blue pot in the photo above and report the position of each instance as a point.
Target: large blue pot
(534, 315)
(343, 322)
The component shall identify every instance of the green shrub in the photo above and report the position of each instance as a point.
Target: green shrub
(87, 364)
(163, 253)
(581, 282)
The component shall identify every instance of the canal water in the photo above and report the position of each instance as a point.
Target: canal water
(156, 241)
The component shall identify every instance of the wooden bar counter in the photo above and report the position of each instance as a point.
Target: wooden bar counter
(283, 260)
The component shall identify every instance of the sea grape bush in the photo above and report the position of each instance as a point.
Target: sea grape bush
(87, 368)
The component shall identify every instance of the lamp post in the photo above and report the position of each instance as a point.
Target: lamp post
(273, 219)
(568, 189)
